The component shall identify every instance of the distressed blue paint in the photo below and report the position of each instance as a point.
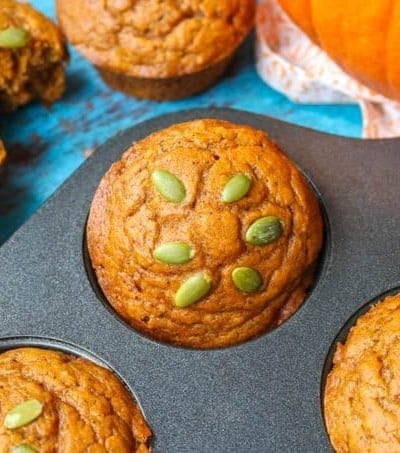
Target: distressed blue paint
(46, 146)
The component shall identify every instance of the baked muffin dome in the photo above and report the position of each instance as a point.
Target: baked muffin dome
(78, 406)
(147, 47)
(132, 225)
(32, 55)
(362, 405)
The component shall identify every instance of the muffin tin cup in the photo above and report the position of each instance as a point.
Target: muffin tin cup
(343, 334)
(11, 343)
(319, 269)
(263, 395)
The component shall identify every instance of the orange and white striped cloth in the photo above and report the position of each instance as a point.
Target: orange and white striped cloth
(289, 62)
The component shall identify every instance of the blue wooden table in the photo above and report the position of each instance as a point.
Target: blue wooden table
(47, 145)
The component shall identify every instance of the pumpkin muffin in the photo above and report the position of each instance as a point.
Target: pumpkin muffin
(52, 401)
(204, 234)
(362, 405)
(32, 54)
(3, 153)
(157, 49)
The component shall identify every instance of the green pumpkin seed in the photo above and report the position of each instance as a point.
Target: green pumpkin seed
(264, 231)
(192, 290)
(169, 186)
(13, 38)
(23, 414)
(174, 253)
(247, 279)
(236, 188)
(23, 448)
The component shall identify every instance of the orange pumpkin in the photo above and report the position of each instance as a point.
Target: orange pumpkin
(362, 36)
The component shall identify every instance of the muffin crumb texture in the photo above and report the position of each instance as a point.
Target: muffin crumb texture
(227, 288)
(85, 408)
(362, 393)
(31, 70)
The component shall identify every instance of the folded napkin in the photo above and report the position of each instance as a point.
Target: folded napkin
(289, 62)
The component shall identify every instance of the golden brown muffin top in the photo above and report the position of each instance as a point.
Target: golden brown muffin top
(85, 406)
(156, 38)
(362, 404)
(34, 70)
(129, 219)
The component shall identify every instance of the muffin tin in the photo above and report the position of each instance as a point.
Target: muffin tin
(263, 395)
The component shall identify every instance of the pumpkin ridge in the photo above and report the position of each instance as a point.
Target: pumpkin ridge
(388, 59)
(361, 37)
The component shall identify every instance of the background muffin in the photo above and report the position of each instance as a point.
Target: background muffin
(32, 53)
(247, 224)
(157, 49)
(2, 153)
(362, 406)
(77, 405)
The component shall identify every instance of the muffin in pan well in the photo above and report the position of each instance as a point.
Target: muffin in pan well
(51, 401)
(204, 234)
(157, 49)
(32, 57)
(361, 401)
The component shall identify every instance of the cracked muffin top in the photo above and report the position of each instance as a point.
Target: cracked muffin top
(156, 38)
(50, 401)
(362, 405)
(32, 55)
(204, 234)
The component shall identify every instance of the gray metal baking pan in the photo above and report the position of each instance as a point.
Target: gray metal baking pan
(263, 395)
